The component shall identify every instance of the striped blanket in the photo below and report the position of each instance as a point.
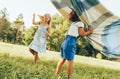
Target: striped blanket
(106, 26)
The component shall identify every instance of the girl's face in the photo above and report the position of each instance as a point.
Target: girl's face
(47, 17)
(42, 18)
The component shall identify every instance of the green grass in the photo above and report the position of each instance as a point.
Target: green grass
(23, 68)
(16, 62)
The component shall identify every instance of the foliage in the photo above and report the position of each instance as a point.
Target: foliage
(17, 33)
(29, 35)
(58, 28)
(20, 29)
(4, 25)
(11, 32)
(84, 48)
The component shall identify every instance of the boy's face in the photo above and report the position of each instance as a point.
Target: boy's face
(73, 16)
(71, 13)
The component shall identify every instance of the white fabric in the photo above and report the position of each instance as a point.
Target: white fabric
(73, 29)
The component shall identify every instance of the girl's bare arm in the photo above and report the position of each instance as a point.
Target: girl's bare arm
(48, 31)
(33, 21)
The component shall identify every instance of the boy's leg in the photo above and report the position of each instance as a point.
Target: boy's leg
(59, 65)
(69, 68)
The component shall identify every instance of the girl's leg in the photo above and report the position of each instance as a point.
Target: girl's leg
(59, 65)
(32, 51)
(69, 68)
(35, 56)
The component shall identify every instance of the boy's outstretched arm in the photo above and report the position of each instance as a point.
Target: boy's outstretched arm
(83, 33)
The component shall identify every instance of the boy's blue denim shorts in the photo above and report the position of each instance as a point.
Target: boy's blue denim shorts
(68, 47)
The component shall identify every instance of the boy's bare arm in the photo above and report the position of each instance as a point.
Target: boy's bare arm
(83, 33)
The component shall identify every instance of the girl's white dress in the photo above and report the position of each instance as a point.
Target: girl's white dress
(39, 42)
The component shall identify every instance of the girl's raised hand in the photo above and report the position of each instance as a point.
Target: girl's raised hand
(34, 15)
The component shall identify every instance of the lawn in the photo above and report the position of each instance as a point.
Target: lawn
(17, 63)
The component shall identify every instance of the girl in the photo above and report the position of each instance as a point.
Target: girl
(68, 45)
(39, 42)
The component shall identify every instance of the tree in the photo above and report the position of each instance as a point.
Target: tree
(29, 34)
(59, 26)
(4, 24)
(20, 28)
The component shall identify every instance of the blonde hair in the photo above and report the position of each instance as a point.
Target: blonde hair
(49, 17)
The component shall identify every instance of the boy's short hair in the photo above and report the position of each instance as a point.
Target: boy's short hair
(74, 17)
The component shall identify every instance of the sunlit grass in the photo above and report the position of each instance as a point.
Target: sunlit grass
(21, 68)
(16, 62)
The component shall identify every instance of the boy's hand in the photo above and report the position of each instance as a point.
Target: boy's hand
(90, 29)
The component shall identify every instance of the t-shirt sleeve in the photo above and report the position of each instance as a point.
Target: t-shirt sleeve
(79, 24)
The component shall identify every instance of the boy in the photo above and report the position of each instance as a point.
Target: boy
(68, 45)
